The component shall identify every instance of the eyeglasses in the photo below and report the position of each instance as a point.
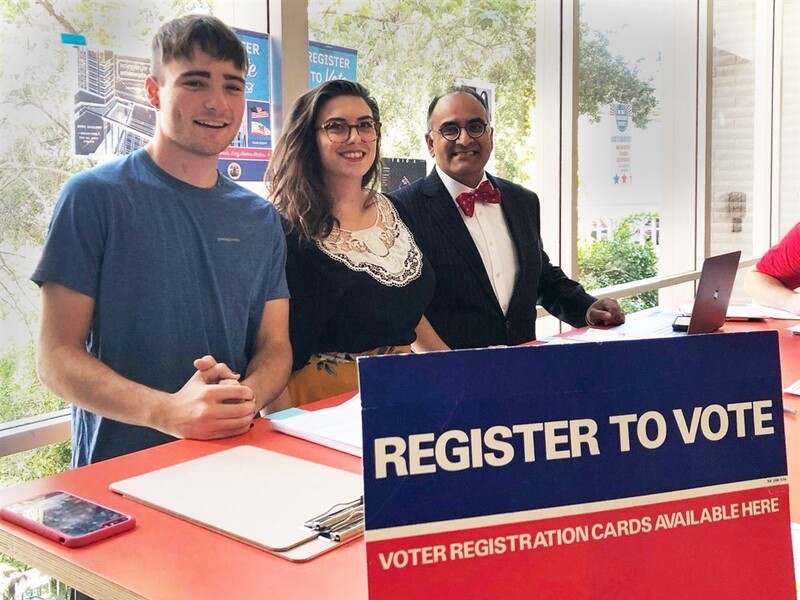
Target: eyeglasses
(339, 132)
(474, 129)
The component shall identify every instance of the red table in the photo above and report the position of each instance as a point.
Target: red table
(170, 559)
(167, 558)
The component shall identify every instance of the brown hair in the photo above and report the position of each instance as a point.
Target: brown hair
(180, 37)
(294, 177)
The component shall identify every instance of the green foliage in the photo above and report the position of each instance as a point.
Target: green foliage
(422, 47)
(35, 112)
(607, 78)
(21, 393)
(34, 464)
(617, 260)
(411, 50)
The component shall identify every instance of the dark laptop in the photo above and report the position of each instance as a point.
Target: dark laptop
(713, 295)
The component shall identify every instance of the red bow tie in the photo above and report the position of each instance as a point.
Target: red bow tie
(485, 192)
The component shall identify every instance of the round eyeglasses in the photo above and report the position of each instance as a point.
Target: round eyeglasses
(474, 129)
(338, 131)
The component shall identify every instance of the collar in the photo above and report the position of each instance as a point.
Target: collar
(454, 187)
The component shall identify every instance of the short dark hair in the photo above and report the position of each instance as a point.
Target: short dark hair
(180, 37)
(458, 89)
(294, 177)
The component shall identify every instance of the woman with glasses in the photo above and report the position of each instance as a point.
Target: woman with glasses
(358, 281)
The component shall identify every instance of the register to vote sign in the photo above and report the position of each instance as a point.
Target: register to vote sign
(638, 469)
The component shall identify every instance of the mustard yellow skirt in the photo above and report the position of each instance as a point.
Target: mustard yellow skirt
(331, 374)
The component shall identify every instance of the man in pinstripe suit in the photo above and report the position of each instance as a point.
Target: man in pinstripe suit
(482, 236)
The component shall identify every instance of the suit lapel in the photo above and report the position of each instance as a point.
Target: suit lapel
(515, 221)
(445, 214)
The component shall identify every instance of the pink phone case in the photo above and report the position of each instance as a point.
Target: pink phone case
(118, 524)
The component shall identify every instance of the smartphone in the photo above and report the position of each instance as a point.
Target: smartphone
(67, 519)
(681, 323)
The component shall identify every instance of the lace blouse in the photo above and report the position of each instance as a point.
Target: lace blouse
(356, 290)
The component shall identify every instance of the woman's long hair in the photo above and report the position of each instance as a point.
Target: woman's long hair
(294, 179)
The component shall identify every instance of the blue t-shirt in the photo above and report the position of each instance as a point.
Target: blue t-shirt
(176, 272)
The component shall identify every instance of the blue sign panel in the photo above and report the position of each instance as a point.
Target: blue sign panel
(567, 424)
(327, 62)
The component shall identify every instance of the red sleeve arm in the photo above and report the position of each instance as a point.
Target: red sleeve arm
(782, 261)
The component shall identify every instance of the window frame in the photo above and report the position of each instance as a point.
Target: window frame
(557, 59)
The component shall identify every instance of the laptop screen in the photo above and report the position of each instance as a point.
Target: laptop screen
(714, 292)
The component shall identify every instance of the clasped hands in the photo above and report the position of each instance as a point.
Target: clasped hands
(213, 404)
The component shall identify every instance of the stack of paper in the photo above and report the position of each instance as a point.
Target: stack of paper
(338, 427)
(776, 313)
(793, 389)
(735, 312)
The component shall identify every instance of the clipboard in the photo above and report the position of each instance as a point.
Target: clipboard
(260, 497)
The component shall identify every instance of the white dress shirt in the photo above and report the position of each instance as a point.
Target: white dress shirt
(489, 231)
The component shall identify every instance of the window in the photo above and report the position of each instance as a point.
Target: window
(737, 113)
(678, 202)
(788, 126)
(43, 64)
(407, 53)
(636, 141)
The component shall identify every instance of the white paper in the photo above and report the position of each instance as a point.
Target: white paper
(775, 313)
(734, 312)
(337, 427)
(592, 335)
(793, 389)
(651, 323)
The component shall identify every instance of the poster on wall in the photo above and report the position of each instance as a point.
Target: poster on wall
(247, 157)
(539, 472)
(327, 62)
(112, 116)
(621, 136)
(397, 173)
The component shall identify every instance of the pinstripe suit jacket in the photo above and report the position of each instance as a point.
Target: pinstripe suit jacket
(464, 310)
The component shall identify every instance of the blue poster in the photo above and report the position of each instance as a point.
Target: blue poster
(327, 62)
(247, 157)
(257, 46)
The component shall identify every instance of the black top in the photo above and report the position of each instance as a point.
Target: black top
(334, 308)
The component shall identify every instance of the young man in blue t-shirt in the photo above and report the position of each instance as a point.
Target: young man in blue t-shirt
(161, 279)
